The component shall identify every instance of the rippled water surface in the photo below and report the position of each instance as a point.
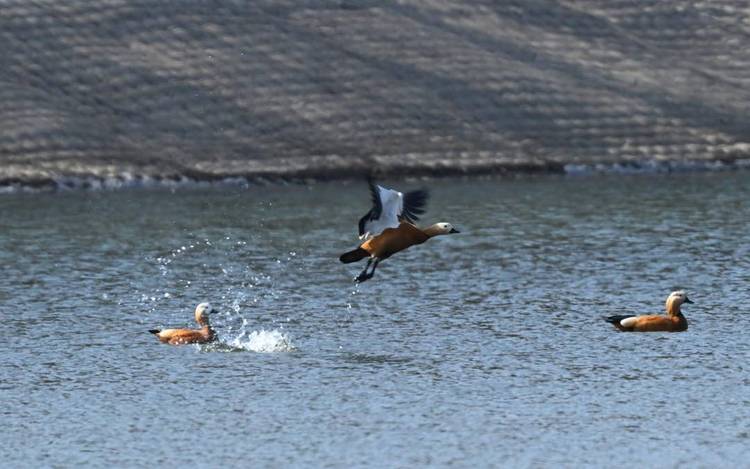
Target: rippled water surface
(482, 349)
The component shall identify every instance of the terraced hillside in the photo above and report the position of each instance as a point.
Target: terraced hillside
(296, 89)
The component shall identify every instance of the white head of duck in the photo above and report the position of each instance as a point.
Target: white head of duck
(202, 313)
(442, 228)
(675, 300)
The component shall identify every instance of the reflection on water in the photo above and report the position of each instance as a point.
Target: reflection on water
(484, 348)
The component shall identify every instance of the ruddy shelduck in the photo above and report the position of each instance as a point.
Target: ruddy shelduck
(673, 321)
(389, 228)
(190, 336)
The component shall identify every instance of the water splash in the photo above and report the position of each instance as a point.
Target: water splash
(234, 286)
(260, 341)
(263, 341)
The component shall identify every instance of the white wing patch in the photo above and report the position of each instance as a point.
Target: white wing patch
(393, 204)
(390, 208)
(628, 322)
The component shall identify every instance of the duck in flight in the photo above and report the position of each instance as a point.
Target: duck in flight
(389, 227)
(673, 321)
(190, 336)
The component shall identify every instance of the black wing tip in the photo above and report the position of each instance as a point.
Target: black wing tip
(377, 204)
(422, 192)
(154, 331)
(373, 185)
(414, 204)
(417, 199)
(363, 221)
(617, 318)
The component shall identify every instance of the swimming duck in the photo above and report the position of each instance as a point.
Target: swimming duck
(190, 336)
(389, 227)
(673, 321)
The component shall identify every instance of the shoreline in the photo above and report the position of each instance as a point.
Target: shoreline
(187, 179)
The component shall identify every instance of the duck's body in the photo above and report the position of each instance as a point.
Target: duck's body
(185, 336)
(203, 335)
(391, 241)
(673, 321)
(389, 227)
(650, 323)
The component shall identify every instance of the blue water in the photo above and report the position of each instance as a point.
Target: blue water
(481, 349)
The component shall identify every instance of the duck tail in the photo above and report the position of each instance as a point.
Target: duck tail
(617, 318)
(353, 256)
(154, 331)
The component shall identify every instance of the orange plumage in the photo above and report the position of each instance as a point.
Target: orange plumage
(673, 321)
(190, 336)
(391, 241)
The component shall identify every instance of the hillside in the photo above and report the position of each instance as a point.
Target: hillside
(209, 89)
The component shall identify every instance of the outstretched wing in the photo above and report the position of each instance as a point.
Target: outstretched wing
(390, 207)
(387, 206)
(414, 203)
(375, 211)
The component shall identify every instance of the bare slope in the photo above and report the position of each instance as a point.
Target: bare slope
(212, 89)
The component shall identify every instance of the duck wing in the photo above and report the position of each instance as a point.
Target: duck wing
(617, 318)
(413, 205)
(375, 211)
(390, 207)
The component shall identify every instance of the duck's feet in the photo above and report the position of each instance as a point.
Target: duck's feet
(367, 276)
(362, 277)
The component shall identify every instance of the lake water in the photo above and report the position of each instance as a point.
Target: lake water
(481, 349)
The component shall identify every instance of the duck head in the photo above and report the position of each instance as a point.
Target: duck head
(202, 312)
(441, 228)
(675, 299)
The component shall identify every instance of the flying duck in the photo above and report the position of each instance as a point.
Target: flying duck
(190, 336)
(389, 227)
(673, 321)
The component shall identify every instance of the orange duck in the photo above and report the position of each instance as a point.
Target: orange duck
(389, 227)
(190, 336)
(673, 321)
(391, 241)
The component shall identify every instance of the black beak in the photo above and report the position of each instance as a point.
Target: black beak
(213, 311)
(687, 300)
(453, 230)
